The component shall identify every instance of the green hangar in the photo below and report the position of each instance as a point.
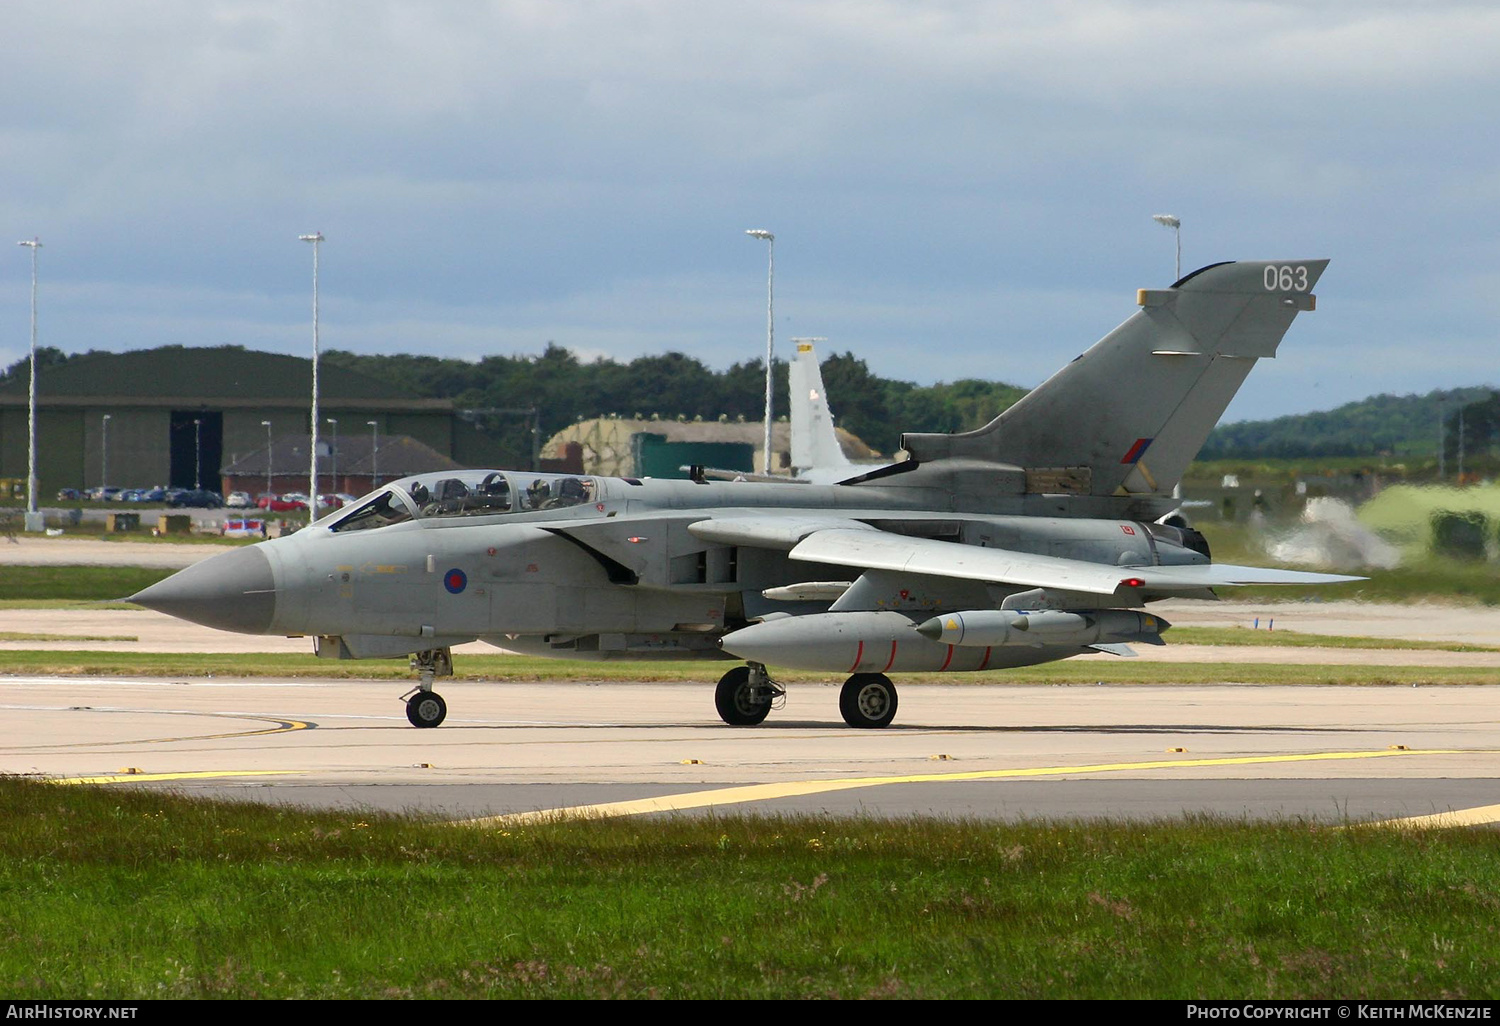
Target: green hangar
(176, 414)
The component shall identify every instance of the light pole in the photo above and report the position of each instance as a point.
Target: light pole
(333, 451)
(104, 450)
(1174, 223)
(33, 518)
(761, 233)
(267, 425)
(1442, 441)
(374, 454)
(316, 238)
(197, 452)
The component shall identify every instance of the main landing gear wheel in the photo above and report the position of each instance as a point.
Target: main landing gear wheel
(740, 702)
(426, 709)
(868, 700)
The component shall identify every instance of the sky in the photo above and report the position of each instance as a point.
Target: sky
(956, 189)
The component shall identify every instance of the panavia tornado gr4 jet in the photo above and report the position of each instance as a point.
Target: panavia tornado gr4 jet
(1040, 536)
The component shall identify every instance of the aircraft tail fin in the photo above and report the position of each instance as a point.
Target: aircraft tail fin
(1130, 414)
(815, 446)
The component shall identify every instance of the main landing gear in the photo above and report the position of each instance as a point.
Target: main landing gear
(424, 706)
(868, 700)
(746, 693)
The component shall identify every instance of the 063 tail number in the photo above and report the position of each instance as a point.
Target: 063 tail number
(1286, 278)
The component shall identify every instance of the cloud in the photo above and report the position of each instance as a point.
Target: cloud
(938, 174)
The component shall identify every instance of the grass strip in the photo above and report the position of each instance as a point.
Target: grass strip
(61, 603)
(134, 893)
(1246, 636)
(76, 583)
(25, 636)
(522, 669)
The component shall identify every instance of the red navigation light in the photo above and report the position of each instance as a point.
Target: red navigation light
(1133, 582)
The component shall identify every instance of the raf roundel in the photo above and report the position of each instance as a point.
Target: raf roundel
(455, 581)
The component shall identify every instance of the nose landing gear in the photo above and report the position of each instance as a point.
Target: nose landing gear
(424, 706)
(745, 695)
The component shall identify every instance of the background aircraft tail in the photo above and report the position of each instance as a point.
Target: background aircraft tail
(1130, 414)
(814, 444)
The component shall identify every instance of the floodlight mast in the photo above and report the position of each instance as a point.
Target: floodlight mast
(374, 454)
(104, 456)
(32, 518)
(1175, 223)
(333, 452)
(267, 425)
(770, 239)
(316, 238)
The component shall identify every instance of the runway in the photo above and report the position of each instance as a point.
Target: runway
(1329, 754)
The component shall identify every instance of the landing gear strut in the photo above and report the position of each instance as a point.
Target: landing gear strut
(424, 706)
(745, 694)
(868, 700)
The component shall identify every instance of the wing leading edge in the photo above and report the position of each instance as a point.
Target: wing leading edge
(880, 550)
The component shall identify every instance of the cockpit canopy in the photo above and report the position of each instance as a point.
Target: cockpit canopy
(467, 493)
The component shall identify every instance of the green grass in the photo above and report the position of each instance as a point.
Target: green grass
(1298, 639)
(128, 894)
(65, 604)
(1437, 580)
(521, 669)
(29, 636)
(1432, 579)
(30, 584)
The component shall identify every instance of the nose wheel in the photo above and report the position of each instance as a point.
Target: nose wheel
(745, 694)
(426, 709)
(424, 706)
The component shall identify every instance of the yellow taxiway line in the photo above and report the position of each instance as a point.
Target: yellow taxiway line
(135, 778)
(1481, 816)
(792, 789)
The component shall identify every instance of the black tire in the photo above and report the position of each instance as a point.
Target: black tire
(868, 700)
(426, 709)
(737, 706)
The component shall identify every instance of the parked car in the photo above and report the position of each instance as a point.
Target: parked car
(200, 499)
(277, 504)
(238, 500)
(68, 495)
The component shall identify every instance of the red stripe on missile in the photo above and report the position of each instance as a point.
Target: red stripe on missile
(893, 657)
(986, 660)
(946, 661)
(859, 655)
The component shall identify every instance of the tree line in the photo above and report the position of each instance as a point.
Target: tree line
(565, 389)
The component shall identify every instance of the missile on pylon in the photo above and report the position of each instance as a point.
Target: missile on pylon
(987, 627)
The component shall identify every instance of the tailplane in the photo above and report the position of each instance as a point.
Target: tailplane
(1130, 414)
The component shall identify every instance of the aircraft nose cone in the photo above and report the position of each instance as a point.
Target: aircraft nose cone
(234, 591)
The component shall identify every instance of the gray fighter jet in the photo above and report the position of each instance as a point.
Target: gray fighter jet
(1040, 536)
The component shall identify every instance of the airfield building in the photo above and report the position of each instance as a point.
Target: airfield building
(176, 414)
(641, 447)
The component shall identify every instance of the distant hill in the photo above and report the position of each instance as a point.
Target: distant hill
(1400, 425)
